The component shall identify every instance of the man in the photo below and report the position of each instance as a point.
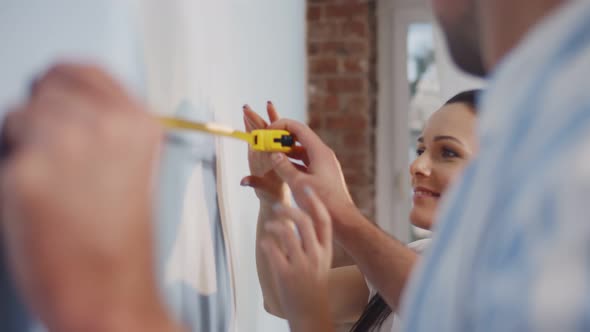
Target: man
(512, 249)
(511, 253)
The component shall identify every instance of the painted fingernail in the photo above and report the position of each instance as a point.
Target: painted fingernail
(308, 191)
(277, 207)
(269, 102)
(245, 106)
(245, 183)
(276, 157)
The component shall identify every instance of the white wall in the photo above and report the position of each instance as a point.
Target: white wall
(224, 54)
(245, 51)
(268, 63)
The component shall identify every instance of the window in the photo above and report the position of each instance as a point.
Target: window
(424, 87)
(415, 77)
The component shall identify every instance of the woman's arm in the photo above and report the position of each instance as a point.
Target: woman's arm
(385, 261)
(269, 294)
(347, 291)
(270, 189)
(302, 261)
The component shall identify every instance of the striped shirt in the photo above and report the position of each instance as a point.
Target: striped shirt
(512, 248)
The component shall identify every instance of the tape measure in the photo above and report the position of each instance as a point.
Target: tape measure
(265, 140)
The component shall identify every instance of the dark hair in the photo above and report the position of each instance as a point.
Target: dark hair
(469, 98)
(377, 310)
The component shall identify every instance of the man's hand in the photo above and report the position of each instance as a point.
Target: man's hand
(76, 194)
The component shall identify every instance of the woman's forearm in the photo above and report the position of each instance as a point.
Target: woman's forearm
(385, 261)
(345, 306)
(317, 320)
(318, 323)
(269, 293)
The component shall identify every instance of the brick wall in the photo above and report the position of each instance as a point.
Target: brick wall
(342, 89)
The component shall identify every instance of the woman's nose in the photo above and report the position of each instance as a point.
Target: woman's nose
(421, 166)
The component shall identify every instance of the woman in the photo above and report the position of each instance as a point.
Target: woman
(446, 145)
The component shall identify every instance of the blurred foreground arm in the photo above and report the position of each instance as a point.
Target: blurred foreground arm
(76, 204)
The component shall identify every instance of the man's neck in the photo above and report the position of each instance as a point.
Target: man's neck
(506, 22)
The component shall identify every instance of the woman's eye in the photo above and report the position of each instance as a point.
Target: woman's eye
(448, 153)
(419, 152)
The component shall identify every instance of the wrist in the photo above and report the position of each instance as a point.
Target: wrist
(345, 217)
(271, 196)
(266, 206)
(317, 320)
(313, 323)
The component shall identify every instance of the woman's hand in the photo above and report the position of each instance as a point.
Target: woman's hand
(323, 172)
(300, 266)
(269, 187)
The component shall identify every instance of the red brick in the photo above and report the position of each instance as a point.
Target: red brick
(360, 194)
(313, 48)
(330, 137)
(331, 103)
(325, 65)
(354, 163)
(347, 10)
(356, 141)
(356, 104)
(356, 179)
(323, 30)
(341, 98)
(354, 28)
(314, 13)
(315, 120)
(349, 156)
(354, 122)
(321, 103)
(342, 84)
(355, 65)
(316, 86)
(358, 47)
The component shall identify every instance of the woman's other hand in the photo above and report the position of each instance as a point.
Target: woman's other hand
(301, 255)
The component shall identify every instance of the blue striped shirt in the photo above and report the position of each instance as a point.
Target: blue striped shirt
(512, 248)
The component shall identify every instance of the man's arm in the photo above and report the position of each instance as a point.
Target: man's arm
(76, 204)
